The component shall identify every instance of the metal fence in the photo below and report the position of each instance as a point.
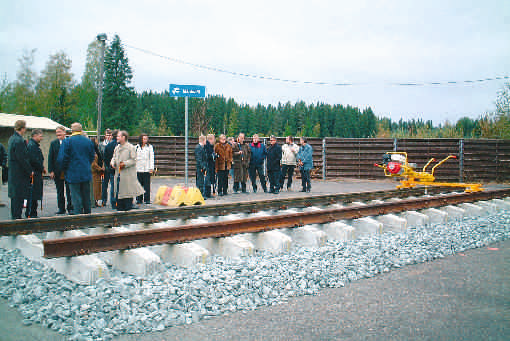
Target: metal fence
(485, 160)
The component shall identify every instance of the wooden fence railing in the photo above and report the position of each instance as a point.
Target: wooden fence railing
(485, 160)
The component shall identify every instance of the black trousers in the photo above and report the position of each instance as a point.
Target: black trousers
(145, 180)
(202, 183)
(252, 172)
(287, 171)
(61, 200)
(274, 180)
(31, 212)
(124, 204)
(222, 182)
(211, 176)
(17, 207)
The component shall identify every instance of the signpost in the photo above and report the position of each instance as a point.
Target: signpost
(186, 91)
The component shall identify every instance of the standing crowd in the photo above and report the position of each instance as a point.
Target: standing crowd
(242, 160)
(86, 172)
(81, 169)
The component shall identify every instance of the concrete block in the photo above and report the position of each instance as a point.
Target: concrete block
(415, 219)
(30, 246)
(435, 216)
(230, 247)
(366, 226)
(185, 254)
(263, 214)
(339, 230)
(308, 235)
(488, 206)
(454, 212)
(232, 216)
(472, 209)
(273, 241)
(501, 204)
(8, 242)
(140, 261)
(392, 222)
(85, 269)
(81, 269)
(312, 209)
(168, 223)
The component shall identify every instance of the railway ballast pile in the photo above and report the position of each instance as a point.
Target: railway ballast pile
(176, 295)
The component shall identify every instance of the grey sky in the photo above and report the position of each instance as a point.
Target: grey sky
(372, 44)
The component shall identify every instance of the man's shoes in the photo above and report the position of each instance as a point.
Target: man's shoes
(147, 203)
(303, 190)
(60, 212)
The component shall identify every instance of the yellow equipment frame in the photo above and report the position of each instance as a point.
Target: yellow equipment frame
(413, 178)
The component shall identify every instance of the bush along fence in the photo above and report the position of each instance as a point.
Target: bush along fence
(481, 160)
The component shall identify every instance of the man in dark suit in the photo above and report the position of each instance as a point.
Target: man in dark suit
(19, 169)
(36, 160)
(57, 174)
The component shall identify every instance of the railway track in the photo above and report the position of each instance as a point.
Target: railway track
(73, 222)
(65, 247)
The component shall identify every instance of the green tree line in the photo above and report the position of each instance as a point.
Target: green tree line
(56, 94)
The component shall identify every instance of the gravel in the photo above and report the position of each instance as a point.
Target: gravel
(177, 295)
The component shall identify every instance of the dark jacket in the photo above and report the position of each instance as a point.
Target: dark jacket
(200, 158)
(274, 156)
(19, 167)
(258, 154)
(36, 160)
(3, 156)
(75, 157)
(209, 153)
(53, 165)
(108, 154)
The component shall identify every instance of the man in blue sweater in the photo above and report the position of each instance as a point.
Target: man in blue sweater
(258, 155)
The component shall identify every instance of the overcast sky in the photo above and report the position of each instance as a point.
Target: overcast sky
(372, 45)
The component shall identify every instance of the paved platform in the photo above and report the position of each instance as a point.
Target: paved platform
(49, 202)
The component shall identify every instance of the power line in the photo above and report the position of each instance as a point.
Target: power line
(254, 76)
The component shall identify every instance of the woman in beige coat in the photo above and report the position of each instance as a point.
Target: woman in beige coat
(124, 163)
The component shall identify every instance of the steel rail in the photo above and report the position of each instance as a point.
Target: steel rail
(73, 222)
(65, 247)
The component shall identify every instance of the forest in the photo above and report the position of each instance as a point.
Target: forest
(55, 93)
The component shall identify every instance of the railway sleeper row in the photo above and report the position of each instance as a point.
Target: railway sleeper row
(140, 261)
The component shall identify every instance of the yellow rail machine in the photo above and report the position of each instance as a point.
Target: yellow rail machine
(395, 164)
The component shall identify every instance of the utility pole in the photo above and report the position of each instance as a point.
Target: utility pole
(101, 38)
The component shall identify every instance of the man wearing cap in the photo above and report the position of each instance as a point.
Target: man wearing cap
(274, 157)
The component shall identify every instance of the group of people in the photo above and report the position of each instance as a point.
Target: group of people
(80, 168)
(215, 160)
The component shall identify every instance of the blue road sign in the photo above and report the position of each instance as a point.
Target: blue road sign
(187, 90)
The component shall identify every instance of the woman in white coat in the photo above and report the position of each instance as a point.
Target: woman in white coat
(125, 181)
(144, 167)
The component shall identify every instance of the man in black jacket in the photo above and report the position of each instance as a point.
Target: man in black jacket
(201, 171)
(57, 174)
(36, 160)
(274, 156)
(3, 164)
(19, 169)
(211, 166)
(108, 170)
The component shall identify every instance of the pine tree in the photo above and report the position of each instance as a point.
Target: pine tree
(119, 99)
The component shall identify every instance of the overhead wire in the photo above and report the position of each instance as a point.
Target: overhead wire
(320, 83)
